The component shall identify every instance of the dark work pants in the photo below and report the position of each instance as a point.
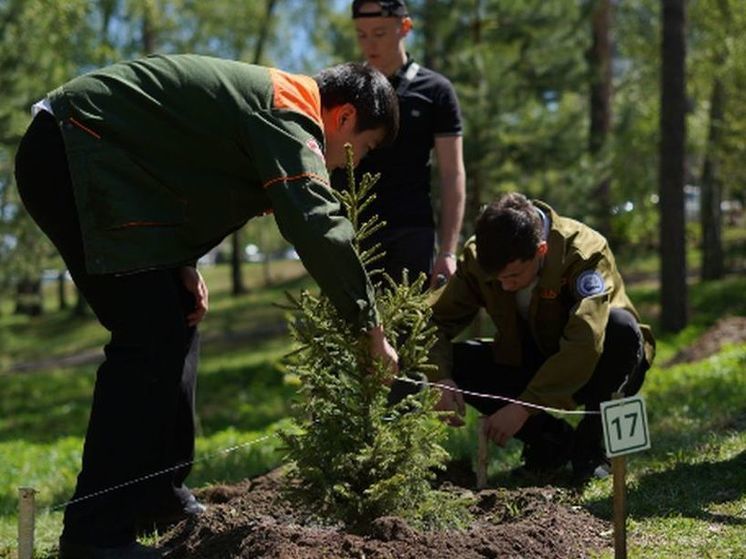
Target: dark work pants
(409, 248)
(623, 360)
(142, 416)
(405, 247)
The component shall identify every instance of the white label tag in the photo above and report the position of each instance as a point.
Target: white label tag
(625, 424)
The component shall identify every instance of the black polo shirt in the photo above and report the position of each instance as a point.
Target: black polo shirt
(428, 107)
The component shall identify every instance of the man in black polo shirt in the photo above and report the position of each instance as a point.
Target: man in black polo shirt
(429, 118)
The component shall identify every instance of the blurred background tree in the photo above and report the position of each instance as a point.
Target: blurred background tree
(561, 99)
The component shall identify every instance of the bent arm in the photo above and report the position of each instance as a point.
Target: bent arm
(308, 217)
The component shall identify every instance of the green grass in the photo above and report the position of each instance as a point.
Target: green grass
(686, 495)
(64, 334)
(242, 397)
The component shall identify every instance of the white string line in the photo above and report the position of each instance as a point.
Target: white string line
(265, 437)
(496, 397)
(167, 470)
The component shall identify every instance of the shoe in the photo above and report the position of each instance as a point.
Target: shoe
(191, 506)
(183, 505)
(589, 459)
(134, 550)
(538, 461)
(590, 465)
(547, 445)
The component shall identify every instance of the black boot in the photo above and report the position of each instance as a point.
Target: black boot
(547, 444)
(169, 511)
(589, 457)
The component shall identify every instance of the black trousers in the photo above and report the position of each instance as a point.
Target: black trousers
(405, 247)
(621, 363)
(142, 416)
(409, 248)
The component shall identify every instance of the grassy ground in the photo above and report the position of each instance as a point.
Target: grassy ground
(687, 495)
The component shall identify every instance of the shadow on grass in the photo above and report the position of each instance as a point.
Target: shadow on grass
(236, 388)
(686, 490)
(709, 301)
(245, 397)
(43, 407)
(54, 333)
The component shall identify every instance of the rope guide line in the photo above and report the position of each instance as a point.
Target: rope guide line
(266, 437)
(165, 471)
(496, 397)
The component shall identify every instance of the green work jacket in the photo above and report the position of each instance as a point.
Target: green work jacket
(170, 154)
(577, 286)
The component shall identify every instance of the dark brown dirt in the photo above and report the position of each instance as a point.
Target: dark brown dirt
(251, 520)
(729, 330)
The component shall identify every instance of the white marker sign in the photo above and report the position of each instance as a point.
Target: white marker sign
(625, 426)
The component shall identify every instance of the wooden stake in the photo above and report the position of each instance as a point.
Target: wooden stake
(619, 471)
(26, 520)
(618, 468)
(481, 454)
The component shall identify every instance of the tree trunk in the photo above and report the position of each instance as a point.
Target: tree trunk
(599, 62)
(29, 297)
(474, 193)
(62, 296)
(266, 260)
(429, 33)
(239, 286)
(81, 305)
(149, 27)
(264, 31)
(673, 289)
(712, 191)
(477, 174)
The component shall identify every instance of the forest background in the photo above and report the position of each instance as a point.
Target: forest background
(628, 115)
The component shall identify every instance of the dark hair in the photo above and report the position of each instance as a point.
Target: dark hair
(367, 90)
(508, 229)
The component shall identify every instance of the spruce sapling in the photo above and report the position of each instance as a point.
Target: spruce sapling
(354, 457)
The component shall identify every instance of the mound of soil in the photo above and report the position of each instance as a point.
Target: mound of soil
(252, 520)
(729, 330)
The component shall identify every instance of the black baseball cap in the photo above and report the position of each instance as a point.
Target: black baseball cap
(388, 8)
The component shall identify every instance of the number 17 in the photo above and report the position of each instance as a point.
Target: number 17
(617, 422)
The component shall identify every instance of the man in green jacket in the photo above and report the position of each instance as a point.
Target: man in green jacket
(566, 333)
(136, 170)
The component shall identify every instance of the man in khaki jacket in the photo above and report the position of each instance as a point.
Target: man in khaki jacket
(566, 333)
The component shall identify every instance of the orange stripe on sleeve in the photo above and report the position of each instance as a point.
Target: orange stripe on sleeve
(84, 128)
(319, 178)
(297, 93)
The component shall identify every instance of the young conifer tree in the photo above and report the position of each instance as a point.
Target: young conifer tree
(354, 456)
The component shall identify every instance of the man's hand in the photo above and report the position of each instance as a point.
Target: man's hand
(380, 349)
(505, 423)
(443, 267)
(452, 401)
(195, 285)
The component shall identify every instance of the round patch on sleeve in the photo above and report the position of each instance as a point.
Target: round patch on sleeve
(589, 283)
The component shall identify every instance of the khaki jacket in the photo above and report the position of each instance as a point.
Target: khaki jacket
(567, 323)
